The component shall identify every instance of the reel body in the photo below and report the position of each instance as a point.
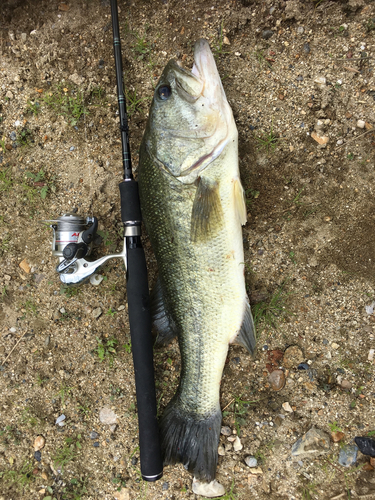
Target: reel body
(73, 240)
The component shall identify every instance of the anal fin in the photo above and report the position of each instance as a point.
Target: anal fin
(246, 336)
(162, 322)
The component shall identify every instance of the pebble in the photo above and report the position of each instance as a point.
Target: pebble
(371, 354)
(345, 384)
(13, 136)
(62, 310)
(228, 446)
(348, 455)
(251, 461)
(286, 406)
(306, 48)
(226, 431)
(337, 436)
(277, 380)
(165, 486)
(320, 81)
(221, 450)
(300, 30)
(209, 490)
(60, 420)
(12, 329)
(231, 439)
(9, 95)
(47, 340)
(339, 142)
(134, 461)
(107, 416)
(237, 445)
(299, 78)
(257, 471)
(96, 279)
(96, 444)
(314, 441)
(97, 312)
(293, 356)
(38, 456)
(320, 139)
(361, 124)
(335, 346)
(25, 266)
(93, 435)
(303, 366)
(39, 443)
(226, 40)
(267, 34)
(113, 427)
(72, 148)
(366, 445)
(121, 308)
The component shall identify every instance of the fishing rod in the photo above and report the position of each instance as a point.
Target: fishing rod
(74, 238)
(137, 290)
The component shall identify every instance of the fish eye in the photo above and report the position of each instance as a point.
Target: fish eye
(164, 92)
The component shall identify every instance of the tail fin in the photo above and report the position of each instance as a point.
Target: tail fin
(191, 439)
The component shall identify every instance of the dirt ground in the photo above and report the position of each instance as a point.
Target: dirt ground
(299, 76)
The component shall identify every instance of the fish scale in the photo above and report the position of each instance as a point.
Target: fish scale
(193, 209)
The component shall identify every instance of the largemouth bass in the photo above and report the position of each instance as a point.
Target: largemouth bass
(193, 206)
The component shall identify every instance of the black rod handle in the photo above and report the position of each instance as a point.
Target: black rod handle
(124, 128)
(142, 349)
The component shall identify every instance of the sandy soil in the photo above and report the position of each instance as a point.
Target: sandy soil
(299, 76)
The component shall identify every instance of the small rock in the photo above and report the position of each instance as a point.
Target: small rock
(165, 486)
(121, 308)
(366, 445)
(345, 384)
(348, 455)
(231, 438)
(257, 471)
(226, 431)
(293, 356)
(123, 494)
(320, 139)
(221, 450)
(94, 435)
(371, 354)
(209, 490)
(47, 340)
(9, 95)
(23, 37)
(13, 136)
(339, 142)
(134, 460)
(226, 40)
(286, 406)
(237, 445)
(361, 124)
(38, 456)
(306, 48)
(277, 380)
(251, 461)
(299, 78)
(337, 436)
(97, 312)
(320, 81)
(228, 446)
(12, 329)
(300, 30)
(60, 420)
(107, 416)
(96, 444)
(335, 346)
(267, 34)
(305, 366)
(39, 443)
(62, 310)
(25, 266)
(314, 441)
(113, 427)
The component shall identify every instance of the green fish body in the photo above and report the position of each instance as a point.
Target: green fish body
(193, 206)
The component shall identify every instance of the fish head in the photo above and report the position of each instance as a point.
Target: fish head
(190, 120)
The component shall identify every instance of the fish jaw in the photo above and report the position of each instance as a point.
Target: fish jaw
(190, 129)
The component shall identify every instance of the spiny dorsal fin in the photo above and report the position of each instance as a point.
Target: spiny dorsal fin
(163, 323)
(207, 213)
(239, 201)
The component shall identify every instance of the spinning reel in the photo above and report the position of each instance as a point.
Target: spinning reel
(74, 238)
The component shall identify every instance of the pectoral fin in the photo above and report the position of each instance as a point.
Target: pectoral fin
(246, 336)
(207, 212)
(239, 201)
(162, 322)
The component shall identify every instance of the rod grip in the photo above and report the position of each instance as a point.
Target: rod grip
(142, 348)
(130, 207)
